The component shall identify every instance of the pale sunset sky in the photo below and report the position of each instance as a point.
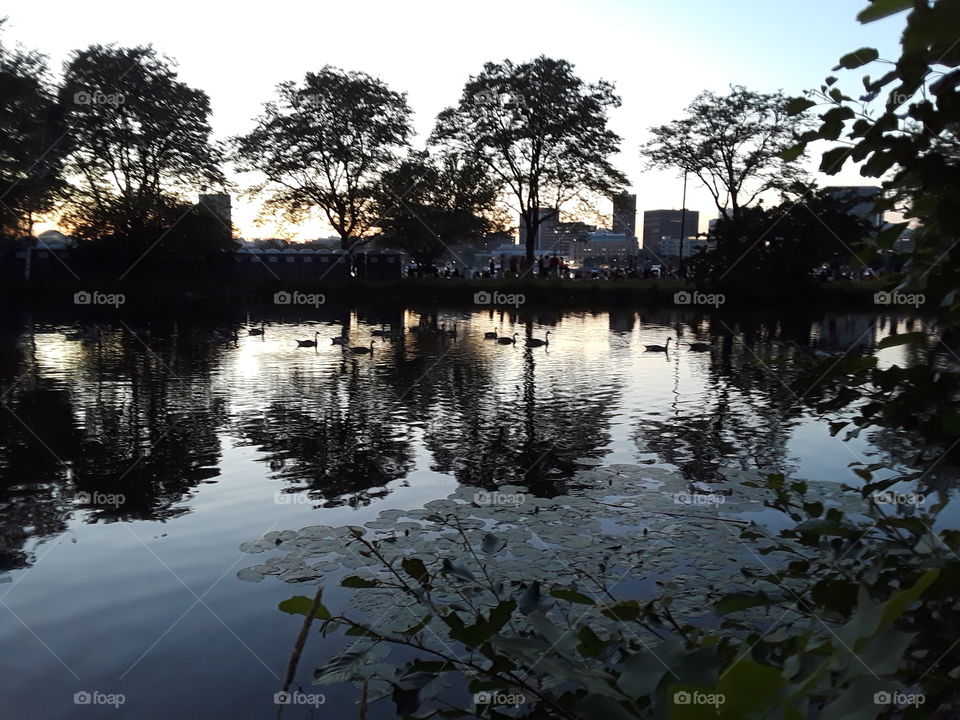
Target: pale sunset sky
(659, 55)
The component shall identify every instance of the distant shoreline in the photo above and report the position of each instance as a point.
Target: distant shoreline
(501, 293)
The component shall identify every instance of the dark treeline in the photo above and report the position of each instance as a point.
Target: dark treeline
(117, 146)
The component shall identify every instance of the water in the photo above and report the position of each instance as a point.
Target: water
(132, 467)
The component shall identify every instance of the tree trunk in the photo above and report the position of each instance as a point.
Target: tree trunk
(531, 222)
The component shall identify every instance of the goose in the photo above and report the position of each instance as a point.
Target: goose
(309, 343)
(451, 333)
(536, 342)
(362, 349)
(658, 348)
(700, 346)
(257, 331)
(490, 335)
(508, 340)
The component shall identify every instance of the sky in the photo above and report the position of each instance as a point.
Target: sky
(659, 54)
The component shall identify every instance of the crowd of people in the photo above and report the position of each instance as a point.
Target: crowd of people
(547, 267)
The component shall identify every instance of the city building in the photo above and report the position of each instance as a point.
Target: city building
(624, 214)
(220, 205)
(546, 231)
(658, 224)
(602, 244)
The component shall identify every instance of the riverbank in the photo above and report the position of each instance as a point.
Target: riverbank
(505, 293)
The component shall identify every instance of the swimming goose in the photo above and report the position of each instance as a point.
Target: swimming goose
(658, 348)
(309, 343)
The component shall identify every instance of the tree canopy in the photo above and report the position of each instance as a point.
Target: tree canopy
(321, 147)
(31, 140)
(542, 132)
(733, 143)
(429, 203)
(140, 141)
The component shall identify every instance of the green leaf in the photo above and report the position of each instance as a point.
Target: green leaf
(300, 605)
(792, 153)
(798, 105)
(355, 581)
(572, 596)
(880, 9)
(358, 631)
(897, 605)
(418, 627)
(415, 568)
(904, 339)
(832, 160)
(591, 645)
(735, 602)
(750, 689)
(858, 58)
(627, 610)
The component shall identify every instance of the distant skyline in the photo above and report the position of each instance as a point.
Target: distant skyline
(660, 56)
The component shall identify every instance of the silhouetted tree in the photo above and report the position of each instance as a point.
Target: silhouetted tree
(733, 143)
(140, 141)
(776, 250)
(430, 203)
(31, 141)
(541, 130)
(322, 146)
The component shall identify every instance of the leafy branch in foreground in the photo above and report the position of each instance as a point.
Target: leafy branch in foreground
(852, 611)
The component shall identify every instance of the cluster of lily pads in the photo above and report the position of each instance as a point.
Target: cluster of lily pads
(467, 570)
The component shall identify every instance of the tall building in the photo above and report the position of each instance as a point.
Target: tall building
(624, 214)
(546, 232)
(219, 205)
(658, 224)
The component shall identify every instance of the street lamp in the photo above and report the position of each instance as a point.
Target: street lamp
(683, 220)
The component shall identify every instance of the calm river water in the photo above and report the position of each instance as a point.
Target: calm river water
(137, 454)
